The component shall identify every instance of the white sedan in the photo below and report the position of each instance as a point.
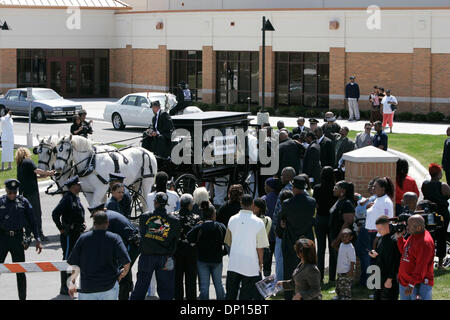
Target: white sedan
(134, 109)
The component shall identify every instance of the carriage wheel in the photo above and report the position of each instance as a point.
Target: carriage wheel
(247, 176)
(186, 183)
(137, 205)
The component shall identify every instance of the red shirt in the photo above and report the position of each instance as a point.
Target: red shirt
(417, 261)
(409, 185)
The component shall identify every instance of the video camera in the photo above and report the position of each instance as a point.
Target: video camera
(433, 220)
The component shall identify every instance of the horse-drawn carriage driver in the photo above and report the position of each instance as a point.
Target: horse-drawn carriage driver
(159, 134)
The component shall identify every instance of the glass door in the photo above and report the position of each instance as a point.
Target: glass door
(64, 77)
(71, 78)
(55, 76)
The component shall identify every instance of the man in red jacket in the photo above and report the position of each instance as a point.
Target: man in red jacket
(415, 275)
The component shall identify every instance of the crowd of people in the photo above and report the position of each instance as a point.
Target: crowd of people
(180, 241)
(382, 104)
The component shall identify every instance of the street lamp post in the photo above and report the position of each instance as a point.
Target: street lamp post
(266, 26)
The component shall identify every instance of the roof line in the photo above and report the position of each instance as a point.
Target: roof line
(284, 9)
(62, 7)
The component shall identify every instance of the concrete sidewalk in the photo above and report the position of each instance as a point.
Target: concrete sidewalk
(399, 127)
(95, 108)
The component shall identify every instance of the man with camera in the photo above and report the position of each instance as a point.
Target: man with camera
(415, 275)
(387, 258)
(85, 125)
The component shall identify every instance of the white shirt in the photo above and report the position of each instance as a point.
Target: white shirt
(173, 201)
(381, 206)
(156, 121)
(247, 234)
(7, 128)
(386, 105)
(320, 140)
(346, 255)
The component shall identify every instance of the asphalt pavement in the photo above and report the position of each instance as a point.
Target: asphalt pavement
(45, 285)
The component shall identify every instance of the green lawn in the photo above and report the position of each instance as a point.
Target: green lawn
(12, 174)
(425, 148)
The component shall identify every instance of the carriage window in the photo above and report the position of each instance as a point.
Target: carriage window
(141, 100)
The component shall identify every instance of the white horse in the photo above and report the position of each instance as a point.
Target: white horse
(94, 164)
(46, 153)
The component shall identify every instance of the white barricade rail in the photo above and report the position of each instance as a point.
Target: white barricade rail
(36, 266)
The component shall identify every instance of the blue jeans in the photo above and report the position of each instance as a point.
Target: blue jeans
(364, 243)
(278, 259)
(112, 294)
(165, 279)
(205, 270)
(423, 290)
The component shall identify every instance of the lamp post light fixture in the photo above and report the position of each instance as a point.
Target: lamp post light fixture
(266, 26)
(4, 26)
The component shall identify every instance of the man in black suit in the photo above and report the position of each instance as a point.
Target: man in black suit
(160, 133)
(296, 218)
(290, 152)
(327, 153)
(343, 145)
(311, 162)
(446, 156)
(301, 127)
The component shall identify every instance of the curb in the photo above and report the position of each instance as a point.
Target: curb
(419, 167)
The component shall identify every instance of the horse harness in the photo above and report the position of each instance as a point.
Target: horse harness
(91, 163)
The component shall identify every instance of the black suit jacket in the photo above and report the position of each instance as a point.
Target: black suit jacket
(446, 156)
(298, 213)
(165, 125)
(347, 145)
(290, 153)
(311, 162)
(298, 131)
(327, 153)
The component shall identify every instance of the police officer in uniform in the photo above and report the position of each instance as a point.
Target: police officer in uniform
(121, 226)
(123, 206)
(15, 214)
(179, 92)
(69, 219)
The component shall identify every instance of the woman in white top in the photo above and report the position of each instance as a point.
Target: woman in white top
(389, 106)
(383, 205)
(7, 139)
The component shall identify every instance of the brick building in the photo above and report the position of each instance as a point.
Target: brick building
(109, 48)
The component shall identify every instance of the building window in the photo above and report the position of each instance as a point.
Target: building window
(302, 79)
(237, 77)
(187, 66)
(71, 73)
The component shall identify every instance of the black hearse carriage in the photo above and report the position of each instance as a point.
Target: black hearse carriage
(188, 176)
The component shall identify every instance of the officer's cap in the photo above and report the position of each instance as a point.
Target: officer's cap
(116, 177)
(12, 184)
(161, 198)
(82, 111)
(156, 103)
(96, 208)
(312, 120)
(72, 181)
(299, 182)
